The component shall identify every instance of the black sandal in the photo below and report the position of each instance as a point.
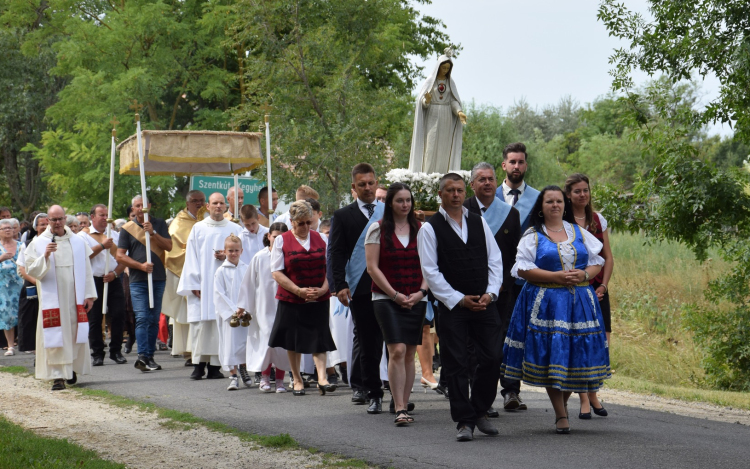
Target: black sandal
(402, 418)
(562, 431)
(58, 385)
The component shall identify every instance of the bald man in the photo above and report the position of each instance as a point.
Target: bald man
(59, 261)
(229, 215)
(131, 252)
(204, 254)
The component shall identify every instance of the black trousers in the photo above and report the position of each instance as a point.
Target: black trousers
(370, 340)
(506, 301)
(116, 313)
(457, 327)
(355, 378)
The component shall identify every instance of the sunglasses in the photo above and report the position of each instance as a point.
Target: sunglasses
(308, 222)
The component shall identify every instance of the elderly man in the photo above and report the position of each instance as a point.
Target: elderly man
(59, 261)
(204, 254)
(174, 305)
(83, 220)
(230, 215)
(131, 252)
(95, 236)
(464, 269)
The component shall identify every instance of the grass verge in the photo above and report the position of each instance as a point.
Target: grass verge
(16, 370)
(23, 448)
(735, 400)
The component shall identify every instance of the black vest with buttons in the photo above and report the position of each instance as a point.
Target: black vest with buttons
(464, 266)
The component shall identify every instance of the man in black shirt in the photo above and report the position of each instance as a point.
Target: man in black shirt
(131, 252)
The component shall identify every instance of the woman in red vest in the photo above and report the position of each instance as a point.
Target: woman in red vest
(298, 264)
(398, 291)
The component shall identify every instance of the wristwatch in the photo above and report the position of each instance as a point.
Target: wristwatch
(493, 297)
(115, 274)
(423, 291)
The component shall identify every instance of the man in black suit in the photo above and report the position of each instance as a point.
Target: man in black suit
(507, 233)
(346, 233)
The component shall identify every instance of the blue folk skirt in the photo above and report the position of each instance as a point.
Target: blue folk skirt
(556, 339)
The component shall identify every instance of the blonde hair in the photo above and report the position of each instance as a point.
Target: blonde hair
(308, 192)
(300, 209)
(232, 238)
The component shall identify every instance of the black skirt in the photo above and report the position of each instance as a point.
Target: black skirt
(302, 327)
(28, 312)
(399, 325)
(606, 308)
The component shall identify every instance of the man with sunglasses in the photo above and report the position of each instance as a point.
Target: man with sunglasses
(59, 261)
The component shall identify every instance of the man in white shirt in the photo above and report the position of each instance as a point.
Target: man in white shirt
(95, 236)
(464, 269)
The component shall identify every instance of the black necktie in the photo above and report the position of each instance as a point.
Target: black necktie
(515, 193)
(370, 210)
(484, 209)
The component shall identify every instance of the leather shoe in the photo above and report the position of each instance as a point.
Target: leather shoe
(358, 397)
(376, 406)
(214, 372)
(521, 405)
(72, 380)
(484, 425)
(601, 411)
(440, 389)
(493, 413)
(97, 361)
(198, 371)
(465, 434)
(58, 385)
(511, 402)
(118, 358)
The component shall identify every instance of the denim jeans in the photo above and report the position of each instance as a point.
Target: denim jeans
(146, 319)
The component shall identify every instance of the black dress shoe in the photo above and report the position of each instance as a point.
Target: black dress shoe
(358, 397)
(440, 389)
(152, 365)
(601, 411)
(493, 413)
(189, 362)
(376, 406)
(198, 371)
(142, 364)
(97, 361)
(511, 402)
(118, 358)
(333, 379)
(58, 385)
(521, 405)
(72, 380)
(214, 372)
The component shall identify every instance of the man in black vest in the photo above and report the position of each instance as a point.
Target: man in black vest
(464, 269)
(346, 231)
(507, 235)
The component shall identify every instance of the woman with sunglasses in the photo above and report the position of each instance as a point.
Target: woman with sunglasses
(298, 264)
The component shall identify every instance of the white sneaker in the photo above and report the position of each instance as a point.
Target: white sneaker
(265, 384)
(11, 351)
(233, 384)
(280, 386)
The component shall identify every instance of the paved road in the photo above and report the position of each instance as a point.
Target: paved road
(628, 438)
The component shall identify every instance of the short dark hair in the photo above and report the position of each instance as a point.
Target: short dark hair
(362, 168)
(248, 211)
(93, 209)
(130, 210)
(324, 224)
(517, 147)
(449, 177)
(5, 209)
(383, 187)
(536, 219)
(263, 192)
(314, 204)
(278, 226)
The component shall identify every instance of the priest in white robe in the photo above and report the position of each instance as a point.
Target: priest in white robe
(59, 261)
(204, 254)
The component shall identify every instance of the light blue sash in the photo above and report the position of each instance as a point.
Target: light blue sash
(525, 204)
(496, 214)
(357, 263)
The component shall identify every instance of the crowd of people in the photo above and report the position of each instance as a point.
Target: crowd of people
(510, 285)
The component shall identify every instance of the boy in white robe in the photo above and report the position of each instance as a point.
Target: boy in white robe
(253, 233)
(227, 281)
(258, 297)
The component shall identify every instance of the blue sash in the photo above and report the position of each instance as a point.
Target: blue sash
(496, 214)
(525, 204)
(357, 263)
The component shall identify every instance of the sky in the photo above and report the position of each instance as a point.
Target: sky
(537, 50)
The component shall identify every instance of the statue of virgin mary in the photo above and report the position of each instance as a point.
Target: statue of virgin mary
(438, 122)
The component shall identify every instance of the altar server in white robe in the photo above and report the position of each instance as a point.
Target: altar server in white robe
(59, 261)
(227, 281)
(258, 297)
(204, 254)
(253, 233)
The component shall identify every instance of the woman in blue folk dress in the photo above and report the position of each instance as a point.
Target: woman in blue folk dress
(10, 283)
(556, 336)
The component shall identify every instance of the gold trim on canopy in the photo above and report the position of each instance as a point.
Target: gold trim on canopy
(182, 153)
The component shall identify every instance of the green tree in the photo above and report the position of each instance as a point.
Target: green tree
(337, 77)
(690, 199)
(486, 136)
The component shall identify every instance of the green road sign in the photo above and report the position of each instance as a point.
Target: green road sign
(210, 184)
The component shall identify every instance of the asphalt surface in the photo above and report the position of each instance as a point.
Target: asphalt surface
(628, 438)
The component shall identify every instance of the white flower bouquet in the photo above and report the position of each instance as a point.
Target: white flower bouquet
(424, 187)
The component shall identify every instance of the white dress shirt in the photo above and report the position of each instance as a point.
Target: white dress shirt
(507, 196)
(97, 262)
(427, 248)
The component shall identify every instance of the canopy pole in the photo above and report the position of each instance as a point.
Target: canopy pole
(236, 211)
(109, 211)
(268, 166)
(145, 203)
